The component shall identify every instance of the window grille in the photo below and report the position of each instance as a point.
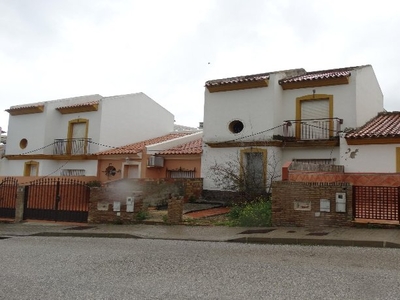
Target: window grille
(72, 172)
(181, 173)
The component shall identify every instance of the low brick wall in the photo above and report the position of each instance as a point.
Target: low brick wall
(299, 204)
(361, 179)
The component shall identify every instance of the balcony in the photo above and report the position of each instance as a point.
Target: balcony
(78, 146)
(310, 130)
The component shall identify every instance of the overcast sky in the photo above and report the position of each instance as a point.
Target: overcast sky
(53, 49)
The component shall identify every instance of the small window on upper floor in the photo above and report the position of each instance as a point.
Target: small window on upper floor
(23, 143)
(236, 126)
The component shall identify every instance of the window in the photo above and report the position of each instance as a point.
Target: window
(236, 126)
(253, 169)
(181, 173)
(319, 161)
(77, 136)
(31, 168)
(316, 113)
(23, 143)
(72, 172)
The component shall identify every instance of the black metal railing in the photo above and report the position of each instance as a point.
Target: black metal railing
(74, 146)
(312, 129)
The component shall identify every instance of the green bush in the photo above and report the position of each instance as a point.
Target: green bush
(142, 215)
(251, 214)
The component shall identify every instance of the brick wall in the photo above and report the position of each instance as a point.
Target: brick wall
(298, 204)
(362, 179)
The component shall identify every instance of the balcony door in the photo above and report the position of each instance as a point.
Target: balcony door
(315, 115)
(77, 137)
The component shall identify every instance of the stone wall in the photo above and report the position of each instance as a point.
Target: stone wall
(310, 204)
(158, 191)
(108, 204)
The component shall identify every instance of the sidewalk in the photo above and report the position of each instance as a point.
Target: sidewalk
(360, 237)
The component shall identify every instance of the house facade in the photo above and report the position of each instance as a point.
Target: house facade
(174, 155)
(258, 122)
(60, 137)
(374, 147)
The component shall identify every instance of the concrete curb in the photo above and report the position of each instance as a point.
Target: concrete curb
(243, 240)
(87, 234)
(315, 242)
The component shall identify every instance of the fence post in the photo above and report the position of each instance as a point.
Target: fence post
(398, 203)
(19, 204)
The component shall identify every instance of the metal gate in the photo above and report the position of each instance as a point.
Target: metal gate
(376, 202)
(8, 197)
(57, 200)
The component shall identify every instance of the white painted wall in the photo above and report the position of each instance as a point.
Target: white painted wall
(132, 118)
(368, 158)
(369, 100)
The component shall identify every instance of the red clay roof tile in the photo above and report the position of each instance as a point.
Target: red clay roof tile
(385, 124)
(79, 105)
(323, 74)
(237, 79)
(139, 147)
(193, 147)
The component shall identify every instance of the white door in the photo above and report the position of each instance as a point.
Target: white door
(133, 171)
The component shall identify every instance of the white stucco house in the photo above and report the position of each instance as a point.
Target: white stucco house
(374, 147)
(59, 137)
(262, 121)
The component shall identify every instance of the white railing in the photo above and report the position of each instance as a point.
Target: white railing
(312, 129)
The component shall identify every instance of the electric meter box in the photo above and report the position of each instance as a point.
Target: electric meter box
(130, 204)
(340, 202)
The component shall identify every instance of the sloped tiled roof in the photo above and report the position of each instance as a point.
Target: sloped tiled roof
(79, 105)
(238, 79)
(193, 147)
(26, 109)
(384, 125)
(139, 147)
(316, 75)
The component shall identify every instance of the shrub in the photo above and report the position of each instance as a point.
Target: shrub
(252, 214)
(142, 215)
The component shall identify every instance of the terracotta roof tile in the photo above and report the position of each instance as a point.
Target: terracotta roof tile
(139, 147)
(193, 147)
(237, 79)
(15, 107)
(385, 124)
(79, 105)
(323, 74)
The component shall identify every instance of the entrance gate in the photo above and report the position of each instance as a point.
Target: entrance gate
(376, 202)
(8, 197)
(57, 200)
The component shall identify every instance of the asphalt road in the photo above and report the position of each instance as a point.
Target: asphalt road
(99, 268)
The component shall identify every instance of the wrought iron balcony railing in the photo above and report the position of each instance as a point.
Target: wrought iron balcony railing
(312, 129)
(78, 146)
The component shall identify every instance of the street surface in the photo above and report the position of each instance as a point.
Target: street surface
(101, 268)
